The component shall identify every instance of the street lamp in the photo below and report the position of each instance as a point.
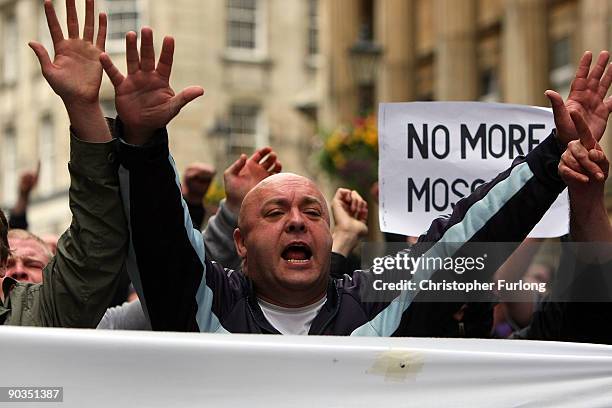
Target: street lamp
(364, 56)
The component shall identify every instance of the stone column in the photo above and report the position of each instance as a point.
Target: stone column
(594, 29)
(525, 52)
(344, 21)
(395, 31)
(456, 69)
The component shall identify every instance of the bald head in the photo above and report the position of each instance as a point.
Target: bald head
(284, 240)
(273, 187)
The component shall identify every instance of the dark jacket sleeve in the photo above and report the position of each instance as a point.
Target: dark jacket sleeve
(18, 221)
(340, 266)
(219, 238)
(503, 210)
(179, 287)
(80, 281)
(197, 213)
(582, 305)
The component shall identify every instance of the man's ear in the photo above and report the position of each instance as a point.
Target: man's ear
(239, 242)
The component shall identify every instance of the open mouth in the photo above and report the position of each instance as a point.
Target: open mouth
(297, 252)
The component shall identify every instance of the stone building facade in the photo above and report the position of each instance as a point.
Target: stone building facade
(277, 71)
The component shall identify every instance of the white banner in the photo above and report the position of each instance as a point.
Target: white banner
(434, 153)
(147, 369)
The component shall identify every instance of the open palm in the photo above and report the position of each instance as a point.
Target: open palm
(587, 97)
(144, 99)
(75, 57)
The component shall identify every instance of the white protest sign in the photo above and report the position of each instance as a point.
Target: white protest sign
(434, 153)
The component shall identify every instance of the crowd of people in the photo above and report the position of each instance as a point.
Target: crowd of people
(138, 257)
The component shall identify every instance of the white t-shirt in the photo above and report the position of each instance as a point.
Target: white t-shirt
(291, 320)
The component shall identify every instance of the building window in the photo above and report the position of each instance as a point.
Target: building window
(9, 160)
(46, 146)
(313, 27)
(123, 16)
(243, 129)
(242, 24)
(562, 71)
(11, 50)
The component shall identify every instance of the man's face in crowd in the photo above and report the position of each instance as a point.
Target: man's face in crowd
(284, 239)
(27, 261)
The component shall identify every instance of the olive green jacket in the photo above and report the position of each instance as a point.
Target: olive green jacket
(80, 281)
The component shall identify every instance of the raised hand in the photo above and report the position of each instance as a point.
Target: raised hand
(583, 166)
(28, 181)
(75, 74)
(196, 180)
(587, 97)
(144, 99)
(244, 174)
(350, 213)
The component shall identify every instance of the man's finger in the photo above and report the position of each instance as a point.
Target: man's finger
(54, 26)
(268, 161)
(343, 194)
(362, 211)
(608, 103)
(596, 155)
(164, 66)
(101, 39)
(261, 154)
(600, 158)
(72, 19)
(187, 95)
(560, 114)
(586, 138)
(569, 175)
(581, 154)
(43, 56)
(604, 84)
(278, 168)
(354, 201)
(111, 70)
(238, 165)
(598, 70)
(568, 159)
(275, 168)
(131, 53)
(147, 52)
(88, 29)
(584, 65)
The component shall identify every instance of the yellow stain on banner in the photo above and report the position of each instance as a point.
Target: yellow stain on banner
(398, 365)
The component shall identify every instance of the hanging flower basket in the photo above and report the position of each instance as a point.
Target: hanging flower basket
(350, 154)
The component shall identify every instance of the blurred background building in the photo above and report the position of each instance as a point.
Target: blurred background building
(278, 72)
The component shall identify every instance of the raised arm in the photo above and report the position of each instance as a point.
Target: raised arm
(506, 208)
(587, 97)
(524, 192)
(583, 314)
(75, 74)
(350, 213)
(196, 181)
(239, 178)
(19, 213)
(167, 261)
(589, 220)
(80, 281)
